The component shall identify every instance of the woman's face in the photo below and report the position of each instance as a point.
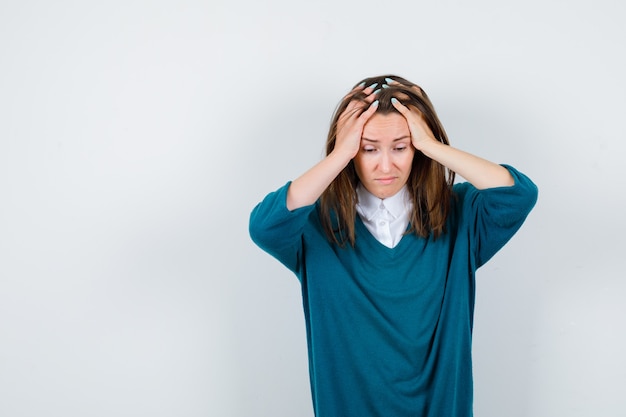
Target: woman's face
(384, 161)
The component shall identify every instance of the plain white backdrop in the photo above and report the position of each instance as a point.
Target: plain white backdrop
(136, 136)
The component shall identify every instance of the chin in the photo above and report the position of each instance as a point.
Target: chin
(386, 193)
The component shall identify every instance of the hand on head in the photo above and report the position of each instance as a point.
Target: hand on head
(361, 107)
(364, 102)
(420, 132)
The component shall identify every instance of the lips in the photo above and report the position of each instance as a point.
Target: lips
(386, 180)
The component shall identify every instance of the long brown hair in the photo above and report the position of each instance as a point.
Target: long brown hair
(429, 183)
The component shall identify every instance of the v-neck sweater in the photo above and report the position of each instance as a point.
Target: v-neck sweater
(389, 330)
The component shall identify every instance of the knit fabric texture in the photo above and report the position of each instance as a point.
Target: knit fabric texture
(389, 331)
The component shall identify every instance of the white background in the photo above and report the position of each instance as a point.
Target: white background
(137, 135)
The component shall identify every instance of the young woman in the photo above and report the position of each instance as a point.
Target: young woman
(386, 247)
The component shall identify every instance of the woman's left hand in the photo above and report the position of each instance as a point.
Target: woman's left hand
(421, 135)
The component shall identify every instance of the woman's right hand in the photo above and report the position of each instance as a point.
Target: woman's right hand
(308, 187)
(351, 122)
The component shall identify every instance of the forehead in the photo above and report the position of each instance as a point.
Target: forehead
(386, 126)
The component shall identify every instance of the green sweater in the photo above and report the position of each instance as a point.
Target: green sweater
(389, 330)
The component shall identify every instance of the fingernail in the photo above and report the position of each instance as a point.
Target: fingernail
(373, 85)
(377, 91)
(362, 84)
(375, 103)
(389, 80)
(394, 100)
(385, 86)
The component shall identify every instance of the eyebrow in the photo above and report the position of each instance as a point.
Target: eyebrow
(395, 140)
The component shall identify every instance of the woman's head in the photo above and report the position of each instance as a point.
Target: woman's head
(428, 182)
(385, 158)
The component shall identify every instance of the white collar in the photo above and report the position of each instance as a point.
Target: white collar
(370, 205)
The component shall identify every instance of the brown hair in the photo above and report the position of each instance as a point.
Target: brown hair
(429, 183)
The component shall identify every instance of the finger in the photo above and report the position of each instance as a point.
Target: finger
(391, 81)
(417, 90)
(369, 90)
(400, 107)
(357, 104)
(361, 89)
(352, 110)
(364, 117)
(353, 102)
(371, 97)
(356, 90)
(350, 97)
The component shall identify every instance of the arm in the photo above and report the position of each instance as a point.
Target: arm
(307, 188)
(481, 173)
(492, 216)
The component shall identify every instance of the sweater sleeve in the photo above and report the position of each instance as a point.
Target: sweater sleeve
(494, 215)
(279, 231)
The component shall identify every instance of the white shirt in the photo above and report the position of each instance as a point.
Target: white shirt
(386, 219)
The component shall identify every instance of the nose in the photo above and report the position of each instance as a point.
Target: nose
(385, 162)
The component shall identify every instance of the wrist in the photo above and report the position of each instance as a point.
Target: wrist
(428, 146)
(340, 156)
